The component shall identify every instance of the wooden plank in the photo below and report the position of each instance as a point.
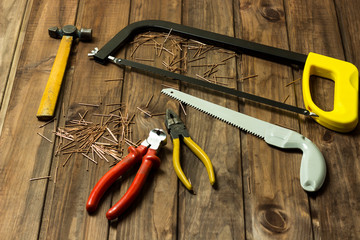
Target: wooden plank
(257, 196)
(154, 214)
(335, 209)
(13, 13)
(24, 153)
(13, 19)
(214, 212)
(65, 215)
(275, 204)
(349, 24)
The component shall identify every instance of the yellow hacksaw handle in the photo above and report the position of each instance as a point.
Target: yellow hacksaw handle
(47, 106)
(344, 116)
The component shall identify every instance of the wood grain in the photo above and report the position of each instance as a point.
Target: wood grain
(333, 206)
(13, 19)
(349, 24)
(257, 194)
(213, 213)
(153, 215)
(86, 84)
(275, 204)
(24, 153)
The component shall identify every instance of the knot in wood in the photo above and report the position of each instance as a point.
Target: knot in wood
(328, 136)
(271, 14)
(273, 219)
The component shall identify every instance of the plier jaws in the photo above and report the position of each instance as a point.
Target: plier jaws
(146, 154)
(177, 131)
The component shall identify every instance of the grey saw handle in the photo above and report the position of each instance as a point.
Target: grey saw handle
(313, 167)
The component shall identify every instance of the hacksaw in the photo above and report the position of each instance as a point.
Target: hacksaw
(343, 117)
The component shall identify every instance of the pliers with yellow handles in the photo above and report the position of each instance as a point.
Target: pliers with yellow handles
(177, 130)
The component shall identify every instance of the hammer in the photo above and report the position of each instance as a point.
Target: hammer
(67, 34)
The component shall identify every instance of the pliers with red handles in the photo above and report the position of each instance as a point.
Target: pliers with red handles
(146, 153)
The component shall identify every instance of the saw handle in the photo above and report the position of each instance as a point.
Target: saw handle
(312, 167)
(344, 116)
(47, 105)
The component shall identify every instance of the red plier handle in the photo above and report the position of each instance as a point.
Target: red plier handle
(135, 155)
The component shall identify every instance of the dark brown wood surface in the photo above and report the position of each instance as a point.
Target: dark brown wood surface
(257, 194)
(273, 205)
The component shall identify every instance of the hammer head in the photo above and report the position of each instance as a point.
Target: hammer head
(84, 34)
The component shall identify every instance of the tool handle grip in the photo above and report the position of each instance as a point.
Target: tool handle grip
(202, 156)
(47, 105)
(344, 116)
(134, 156)
(149, 160)
(177, 166)
(312, 167)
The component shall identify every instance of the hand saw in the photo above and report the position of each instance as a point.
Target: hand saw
(343, 117)
(312, 167)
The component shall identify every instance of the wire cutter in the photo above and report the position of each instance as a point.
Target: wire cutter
(146, 153)
(177, 130)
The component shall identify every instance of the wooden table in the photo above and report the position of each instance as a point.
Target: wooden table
(257, 195)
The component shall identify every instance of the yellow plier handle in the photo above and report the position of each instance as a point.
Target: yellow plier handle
(199, 153)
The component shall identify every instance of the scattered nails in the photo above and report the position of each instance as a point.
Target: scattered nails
(40, 178)
(44, 137)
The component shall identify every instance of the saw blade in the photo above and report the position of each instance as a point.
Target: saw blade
(246, 123)
(209, 85)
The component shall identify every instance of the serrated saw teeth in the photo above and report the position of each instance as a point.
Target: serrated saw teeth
(246, 123)
(168, 93)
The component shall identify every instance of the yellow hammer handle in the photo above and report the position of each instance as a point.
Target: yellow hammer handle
(177, 166)
(47, 106)
(203, 157)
